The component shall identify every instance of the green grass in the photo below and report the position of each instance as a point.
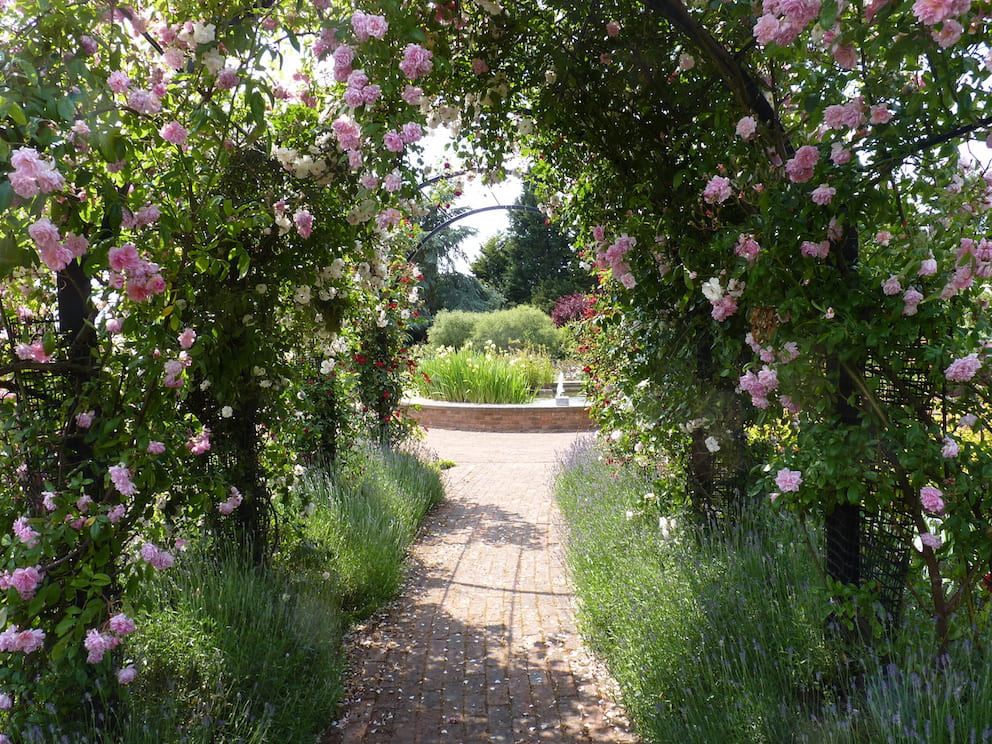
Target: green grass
(488, 376)
(232, 652)
(721, 636)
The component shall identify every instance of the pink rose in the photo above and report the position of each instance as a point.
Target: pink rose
(815, 250)
(127, 674)
(417, 61)
(950, 448)
(892, 285)
(173, 132)
(120, 476)
(823, 194)
(25, 533)
(304, 223)
(746, 128)
(411, 132)
(932, 500)
(393, 141)
(718, 190)
(118, 81)
(962, 370)
(879, 114)
(788, 480)
(912, 298)
(121, 624)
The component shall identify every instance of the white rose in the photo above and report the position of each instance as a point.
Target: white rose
(204, 33)
(213, 60)
(712, 290)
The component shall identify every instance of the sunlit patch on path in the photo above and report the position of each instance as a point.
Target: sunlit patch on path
(482, 646)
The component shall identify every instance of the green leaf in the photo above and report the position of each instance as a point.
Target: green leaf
(49, 595)
(66, 624)
(13, 110)
(6, 195)
(828, 13)
(244, 262)
(59, 649)
(28, 68)
(116, 215)
(92, 610)
(111, 146)
(66, 109)
(257, 105)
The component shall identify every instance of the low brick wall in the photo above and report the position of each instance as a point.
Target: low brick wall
(499, 418)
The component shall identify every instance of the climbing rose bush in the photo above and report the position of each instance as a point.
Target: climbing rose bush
(789, 222)
(179, 224)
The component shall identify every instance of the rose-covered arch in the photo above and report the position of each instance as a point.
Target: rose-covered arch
(774, 201)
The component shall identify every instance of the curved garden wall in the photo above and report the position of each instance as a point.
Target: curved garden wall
(543, 415)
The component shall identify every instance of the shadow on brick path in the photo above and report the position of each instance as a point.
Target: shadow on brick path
(482, 645)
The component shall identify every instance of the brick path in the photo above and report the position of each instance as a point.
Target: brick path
(482, 646)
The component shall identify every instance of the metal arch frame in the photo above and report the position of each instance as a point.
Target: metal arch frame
(452, 220)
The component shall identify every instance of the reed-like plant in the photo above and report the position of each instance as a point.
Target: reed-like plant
(482, 376)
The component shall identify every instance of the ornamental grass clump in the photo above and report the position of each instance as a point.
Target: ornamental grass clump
(722, 634)
(487, 376)
(231, 651)
(363, 518)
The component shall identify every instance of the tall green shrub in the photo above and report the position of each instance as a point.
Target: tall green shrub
(516, 328)
(452, 328)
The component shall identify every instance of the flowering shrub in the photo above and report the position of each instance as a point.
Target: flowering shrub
(810, 243)
(571, 308)
(178, 224)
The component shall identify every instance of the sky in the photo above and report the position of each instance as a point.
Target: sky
(475, 194)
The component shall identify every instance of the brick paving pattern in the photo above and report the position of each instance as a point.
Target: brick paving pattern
(482, 646)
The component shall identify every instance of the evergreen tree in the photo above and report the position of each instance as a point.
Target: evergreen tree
(533, 263)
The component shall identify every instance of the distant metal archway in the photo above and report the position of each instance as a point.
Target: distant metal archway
(452, 220)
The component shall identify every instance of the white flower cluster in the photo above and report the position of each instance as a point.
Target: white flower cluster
(304, 165)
